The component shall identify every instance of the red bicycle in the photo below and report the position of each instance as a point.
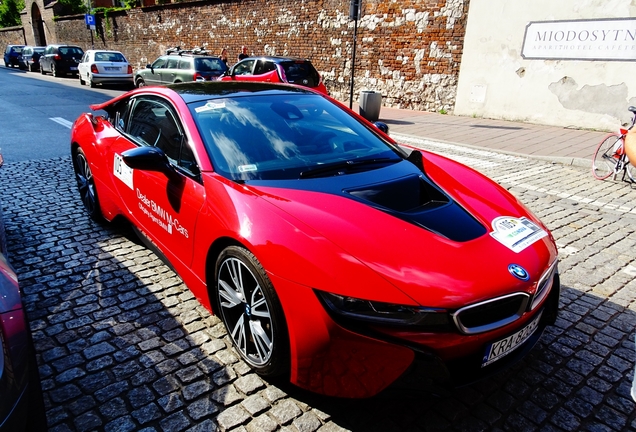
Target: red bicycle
(610, 158)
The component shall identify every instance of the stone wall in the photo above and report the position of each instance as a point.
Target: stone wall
(11, 36)
(558, 88)
(409, 51)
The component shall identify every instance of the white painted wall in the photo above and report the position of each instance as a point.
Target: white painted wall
(496, 82)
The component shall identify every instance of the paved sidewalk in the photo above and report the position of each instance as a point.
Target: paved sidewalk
(556, 144)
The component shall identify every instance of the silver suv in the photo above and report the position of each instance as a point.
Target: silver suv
(181, 66)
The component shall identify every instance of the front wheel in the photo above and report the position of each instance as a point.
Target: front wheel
(607, 155)
(86, 185)
(140, 82)
(251, 311)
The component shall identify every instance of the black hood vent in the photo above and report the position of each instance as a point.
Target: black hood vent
(416, 200)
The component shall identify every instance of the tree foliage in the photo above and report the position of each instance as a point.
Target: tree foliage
(10, 13)
(73, 6)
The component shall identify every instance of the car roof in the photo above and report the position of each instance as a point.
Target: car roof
(278, 59)
(104, 50)
(197, 91)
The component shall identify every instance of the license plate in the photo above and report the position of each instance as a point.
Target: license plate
(505, 346)
(111, 68)
(73, 68)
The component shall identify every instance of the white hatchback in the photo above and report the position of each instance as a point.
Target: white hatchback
(105, 67)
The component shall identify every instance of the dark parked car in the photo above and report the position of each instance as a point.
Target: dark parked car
(21, 404)
(12, 55)
(181, 66)
(277, 69)
(61, 59)
(30, 59)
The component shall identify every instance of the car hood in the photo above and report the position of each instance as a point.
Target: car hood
(429, 235)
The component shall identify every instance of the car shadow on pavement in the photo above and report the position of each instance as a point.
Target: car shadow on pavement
(123, 345)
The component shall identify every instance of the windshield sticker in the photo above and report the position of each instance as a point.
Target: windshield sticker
(516, 233)
(246, 168)
(160, 216)
(122, 171)
(210, 106)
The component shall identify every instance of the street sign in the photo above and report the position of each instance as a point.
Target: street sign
(89, 19)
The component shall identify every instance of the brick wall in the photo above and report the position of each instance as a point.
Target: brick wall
(11, 36)
(410, 51)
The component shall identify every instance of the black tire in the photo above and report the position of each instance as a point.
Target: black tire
(90, 82)
(82, 82)
(250, 309)
(139, 82)
(31, 68)
(54, 70)
(42, 70)
(606, 156)
(86, 185)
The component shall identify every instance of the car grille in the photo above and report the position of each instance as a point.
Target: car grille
(491, 314)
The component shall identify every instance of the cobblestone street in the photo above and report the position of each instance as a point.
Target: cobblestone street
(123, 346)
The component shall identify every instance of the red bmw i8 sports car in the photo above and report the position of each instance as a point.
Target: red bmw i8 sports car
(334, 256)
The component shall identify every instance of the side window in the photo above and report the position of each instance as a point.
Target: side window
(173, 63)
(119, 117)
(160, 63)
(264, 66)
(185, 64)
(244, 68)
(143, 125)
(153, 122)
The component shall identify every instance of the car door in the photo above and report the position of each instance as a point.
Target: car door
(45, 59)
(84, 65)
(243, 71)
(164, 205)
(169, 74)
(265, 71)
(152, 74)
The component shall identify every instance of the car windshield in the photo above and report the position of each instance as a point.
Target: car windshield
(284, 137)
(209, 65)
(109, 57)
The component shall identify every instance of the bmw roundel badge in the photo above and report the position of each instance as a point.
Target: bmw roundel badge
(518, 272)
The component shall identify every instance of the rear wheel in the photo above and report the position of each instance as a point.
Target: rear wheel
(252, 314)
(607, 154)
(54, 71)
(86, 184)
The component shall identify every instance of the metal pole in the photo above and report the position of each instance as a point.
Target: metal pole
(353, 60)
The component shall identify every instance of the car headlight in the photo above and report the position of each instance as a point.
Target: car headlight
(388, 314)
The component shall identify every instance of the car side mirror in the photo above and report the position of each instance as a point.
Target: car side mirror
(382, 126)
(148, 159)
